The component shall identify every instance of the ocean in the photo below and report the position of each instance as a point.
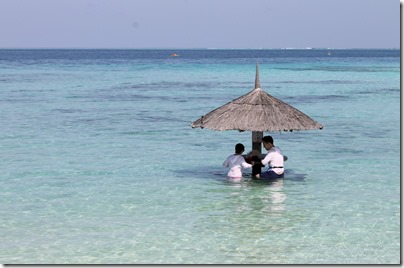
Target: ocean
(100, 164)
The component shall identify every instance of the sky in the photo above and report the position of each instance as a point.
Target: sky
(200, 24)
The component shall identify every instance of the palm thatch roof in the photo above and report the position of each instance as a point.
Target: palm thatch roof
(256, 111)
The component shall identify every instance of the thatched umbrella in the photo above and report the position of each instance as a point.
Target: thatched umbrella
(256, 111)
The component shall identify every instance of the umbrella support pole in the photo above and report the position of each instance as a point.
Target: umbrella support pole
(256, 145)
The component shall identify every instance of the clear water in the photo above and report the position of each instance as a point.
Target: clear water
(100, 165)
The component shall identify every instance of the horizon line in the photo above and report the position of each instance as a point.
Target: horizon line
(201, 48)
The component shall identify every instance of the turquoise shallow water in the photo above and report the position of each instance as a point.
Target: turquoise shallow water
(100, 165)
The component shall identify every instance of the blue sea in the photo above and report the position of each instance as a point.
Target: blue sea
(99, 163)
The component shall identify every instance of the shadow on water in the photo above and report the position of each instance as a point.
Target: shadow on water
(220, 175)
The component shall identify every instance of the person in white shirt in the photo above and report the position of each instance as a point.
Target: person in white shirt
(236, 163)
(274, 159)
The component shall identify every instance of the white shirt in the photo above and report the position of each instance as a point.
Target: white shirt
(236, 163)
(274, 158)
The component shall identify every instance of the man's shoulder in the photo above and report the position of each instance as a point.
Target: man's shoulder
(275, 149)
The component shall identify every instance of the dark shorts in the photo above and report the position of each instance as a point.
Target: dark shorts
(269, 174)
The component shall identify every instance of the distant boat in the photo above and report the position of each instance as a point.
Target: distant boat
(329, 54)
(175, 55)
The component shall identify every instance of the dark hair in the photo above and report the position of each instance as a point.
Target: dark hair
(239, 148)
(268, 139)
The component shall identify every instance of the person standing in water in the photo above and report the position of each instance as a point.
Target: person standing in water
(236, 163)
(274, 159)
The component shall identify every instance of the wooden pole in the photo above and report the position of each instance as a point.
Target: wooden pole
(257, 135)
(256, 145)
(257, 77)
